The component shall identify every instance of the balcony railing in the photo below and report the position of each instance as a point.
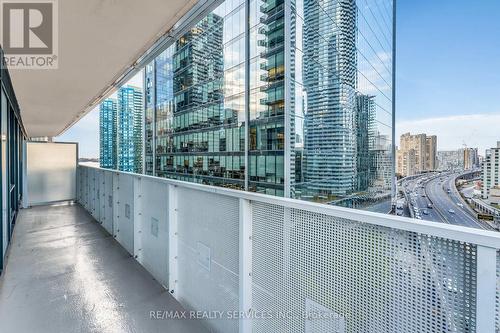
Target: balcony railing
(270, 264)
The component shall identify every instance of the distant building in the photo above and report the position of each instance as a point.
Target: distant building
(416, 153)
(470, 158)
(494, 197)
(491, 170)
(129, 129)
(460, 159)
(405, 162)
(107, 134)
(450, 160)
(430, 159)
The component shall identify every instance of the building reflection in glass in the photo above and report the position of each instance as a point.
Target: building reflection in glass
(320, 101)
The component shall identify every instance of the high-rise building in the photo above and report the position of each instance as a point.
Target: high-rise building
(416, 153)
(430, 153)
(460, 159)
(311, 116)
(107, 134)
(491, 170)
(470, 158)
(365, 118)
(129, 129)
(406, 162)
(449, 160)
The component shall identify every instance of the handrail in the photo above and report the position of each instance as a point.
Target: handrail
(453, 232)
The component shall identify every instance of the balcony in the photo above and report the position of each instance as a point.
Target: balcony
(279, 261)
(65, 273)
(105, 251)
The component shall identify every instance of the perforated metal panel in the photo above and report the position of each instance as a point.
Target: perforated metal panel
(152, 229)
(212, 220)
(123, 210)
(304, 264)
(100, 212)
(94, 193)
(322, 319)
(78, 184)
(497, 296)
(107, 201)
(83, 187)
(378, 279)
(86, 190)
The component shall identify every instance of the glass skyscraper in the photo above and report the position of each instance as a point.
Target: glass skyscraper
(195, 103)
(293, 99)
(107, 133)
(129, 129)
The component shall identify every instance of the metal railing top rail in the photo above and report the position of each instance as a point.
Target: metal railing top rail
(453, 232)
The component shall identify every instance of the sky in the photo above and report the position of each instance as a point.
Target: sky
(447, 75)
(448, 71)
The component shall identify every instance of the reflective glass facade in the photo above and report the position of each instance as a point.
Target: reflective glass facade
(149, 119)
(107, 133)
(309, 81)
(341, 100)
(199, 109)
(129, 129)
(267, 97)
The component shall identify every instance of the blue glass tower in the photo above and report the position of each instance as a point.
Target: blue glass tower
(107, 133)
(129, 129)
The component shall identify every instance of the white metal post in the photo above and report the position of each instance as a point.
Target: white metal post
(138, 219)
(104, 202)
(93, 192)
(172, 240)
(486, 289)
(116, 204)
(245, 269)
(25, 175)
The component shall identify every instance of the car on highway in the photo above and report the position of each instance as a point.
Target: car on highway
(460, 205)
(448, 191)
(429, 205)
(425, 212)
(451, 211)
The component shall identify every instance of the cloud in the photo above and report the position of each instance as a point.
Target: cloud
(86, 133)
(478, 130)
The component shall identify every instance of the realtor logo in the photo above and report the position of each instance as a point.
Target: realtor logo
(29, 33)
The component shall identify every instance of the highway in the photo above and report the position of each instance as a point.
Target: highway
(450, 206)
(419, 199)
(446, 207)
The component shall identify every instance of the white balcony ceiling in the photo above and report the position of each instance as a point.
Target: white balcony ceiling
(98, 41)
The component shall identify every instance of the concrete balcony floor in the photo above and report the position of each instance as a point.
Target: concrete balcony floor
(65, 273)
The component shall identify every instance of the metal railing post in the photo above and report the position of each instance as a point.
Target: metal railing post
(486, 289)
(245, 265)
(172, 240)
(138, 218)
